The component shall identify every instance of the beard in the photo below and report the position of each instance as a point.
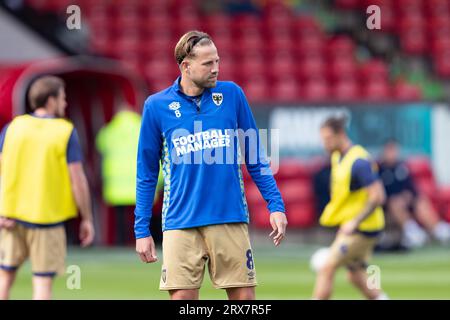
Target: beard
(60, 113)
(207, 83)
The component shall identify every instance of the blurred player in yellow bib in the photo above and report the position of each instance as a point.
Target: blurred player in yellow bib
(355, 207)
(42, 183)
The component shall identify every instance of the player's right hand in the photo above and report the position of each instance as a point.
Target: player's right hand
(87, 232)
(7, 223)
(145, 248)
(279, 222)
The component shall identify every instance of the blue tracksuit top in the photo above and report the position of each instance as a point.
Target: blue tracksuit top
(196, 140)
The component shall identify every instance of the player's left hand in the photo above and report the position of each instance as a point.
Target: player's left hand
(278, 221)
(348, 227)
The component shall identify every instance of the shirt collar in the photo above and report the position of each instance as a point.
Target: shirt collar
(343, 154)
(176, 86)
(46, 116)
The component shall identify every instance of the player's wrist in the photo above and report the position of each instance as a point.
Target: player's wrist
(142, 235)
(87, 218)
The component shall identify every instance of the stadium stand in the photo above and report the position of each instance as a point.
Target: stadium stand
(275, 43)
(277, 54)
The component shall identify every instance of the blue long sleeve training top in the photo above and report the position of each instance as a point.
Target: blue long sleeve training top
(200, 142)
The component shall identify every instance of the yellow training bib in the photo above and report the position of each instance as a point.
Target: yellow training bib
(35, 180)
(346, 204)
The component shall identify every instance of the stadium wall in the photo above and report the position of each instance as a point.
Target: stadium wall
(440, 143)
(420, 128)
(19, 43)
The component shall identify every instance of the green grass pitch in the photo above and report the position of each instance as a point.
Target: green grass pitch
(283, 273)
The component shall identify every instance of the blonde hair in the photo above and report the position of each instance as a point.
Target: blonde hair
(187, 42)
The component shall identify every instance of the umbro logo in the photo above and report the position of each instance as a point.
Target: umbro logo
(175, 106)
(164, 275)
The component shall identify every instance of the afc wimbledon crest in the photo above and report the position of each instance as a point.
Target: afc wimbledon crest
(217, 98)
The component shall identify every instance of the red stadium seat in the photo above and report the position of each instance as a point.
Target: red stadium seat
(101, 42)
(259, 216)
(184, 8)
(414, 41)
(442, 64)
(310, 44)
(282, 65)
(440, 44)
(181, 3)
(347, 4)
(150, 4)
(416, 21)
(437, 7)
(51, 5)
(374, 69)
(281, 40)
(301, 215)
(447, 214)
(127, 17)
(376, 90)
(304, 25)
(242, 23)
(444, 199)
(216, 21)
(388, 19)
(444, 194)
(251, 67)
(420, 167)
(297, 190)
(278, 17)
(340, 46)
(160, 21)
(380, 3)
(408, 6)
(426, 186)
(422, 174)
(155, 43)
(315, 90)
(250, 41)
(224, 43)
(286, 89)
(342, 67)
(252, 193)
(100, 23)
(293, 169)
(256, 89)
(404, 91)
(186, 21)
(311, 67)
(346, 90)
(277, 7)
(160, 83)
(227, 70)
(439, 24)
(95, 10)
(158, 68)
